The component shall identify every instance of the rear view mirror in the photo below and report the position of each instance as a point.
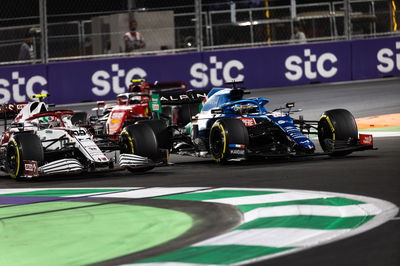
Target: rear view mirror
(290, 105)
(216, 111)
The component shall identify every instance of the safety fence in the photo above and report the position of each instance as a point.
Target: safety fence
(98, 30)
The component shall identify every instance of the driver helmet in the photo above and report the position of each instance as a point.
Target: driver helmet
(41, 122)
(244, 109)
(49, 121)
(122, 100)
(135, 99)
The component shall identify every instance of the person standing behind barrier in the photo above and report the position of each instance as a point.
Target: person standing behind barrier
(26, 51)
(133, 39)
(298, 34)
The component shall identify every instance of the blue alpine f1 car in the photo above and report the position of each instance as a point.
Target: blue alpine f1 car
(230, 127)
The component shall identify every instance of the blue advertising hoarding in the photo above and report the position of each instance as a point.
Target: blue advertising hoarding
(261, 67)
(376, 58)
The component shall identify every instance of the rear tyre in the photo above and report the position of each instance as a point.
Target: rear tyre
(337, 128)
(161, 131)
(225, 132)
(25, 146)
(186, 111)
(140, 139)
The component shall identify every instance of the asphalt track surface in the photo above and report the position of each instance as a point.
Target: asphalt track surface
(369, 173)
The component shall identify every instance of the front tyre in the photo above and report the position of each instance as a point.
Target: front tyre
(228, 139)
(25, 146)
(139, 139)
(337, 129)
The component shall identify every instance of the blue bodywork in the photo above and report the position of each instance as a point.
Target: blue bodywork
(220, 98)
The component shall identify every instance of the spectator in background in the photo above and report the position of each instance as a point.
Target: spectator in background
(26, 51)
(298, 34)
(133, 39)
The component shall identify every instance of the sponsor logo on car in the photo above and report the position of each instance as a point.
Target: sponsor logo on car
(366, 139)
(240, 146)
(237, 151)
(30, 168)
(248, 121)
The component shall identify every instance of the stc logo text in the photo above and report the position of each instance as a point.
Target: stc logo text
(216, 73)
(18, 87)
(118, 80)
(105, 82)
(311, 66)
(387, 59)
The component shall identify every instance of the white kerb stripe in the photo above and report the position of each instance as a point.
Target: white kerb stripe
(17, 190)
(100, 193)
(274, 237)
(275, 197)
(242, 189)
(165, 264)
(336, 211)
(151, 192)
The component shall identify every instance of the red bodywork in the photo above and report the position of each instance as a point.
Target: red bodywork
(124, 114)
(134, 105)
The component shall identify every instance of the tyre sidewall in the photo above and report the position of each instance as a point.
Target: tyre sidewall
(161, 132)
(337, 125)
(28, 147)
(142, 141)
(231, 131)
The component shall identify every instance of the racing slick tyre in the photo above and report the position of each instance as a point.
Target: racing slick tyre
(23, 147)
(186, 111)
(140, 139)
(337, 129)
(228, 139)
(161, 131)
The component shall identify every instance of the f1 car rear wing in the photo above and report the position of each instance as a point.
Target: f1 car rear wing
(140, 85)
(183, 98)
(168, 86)
(10, 110)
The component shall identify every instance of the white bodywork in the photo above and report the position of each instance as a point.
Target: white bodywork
(57, 135)
(76, 135)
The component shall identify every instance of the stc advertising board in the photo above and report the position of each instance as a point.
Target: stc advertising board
(262, 67)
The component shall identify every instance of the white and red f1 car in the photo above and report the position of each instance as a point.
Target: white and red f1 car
(40, 142)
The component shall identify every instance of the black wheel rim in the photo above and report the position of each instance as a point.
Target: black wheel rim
(325, 136)
(12, 159)
(217, 143)
(125, 144)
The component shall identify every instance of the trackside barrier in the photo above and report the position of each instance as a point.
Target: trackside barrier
(93, 80)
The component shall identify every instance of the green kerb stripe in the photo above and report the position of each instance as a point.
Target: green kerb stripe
(336, 201)
(217, 194)
(384, 129)
(307, 221)
(59, 192)
(215, 254)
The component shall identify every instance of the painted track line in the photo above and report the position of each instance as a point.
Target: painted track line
(276, 222)
(364, 214)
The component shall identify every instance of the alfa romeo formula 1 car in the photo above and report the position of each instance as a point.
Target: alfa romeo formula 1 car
(230, 127)
(41, 142)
